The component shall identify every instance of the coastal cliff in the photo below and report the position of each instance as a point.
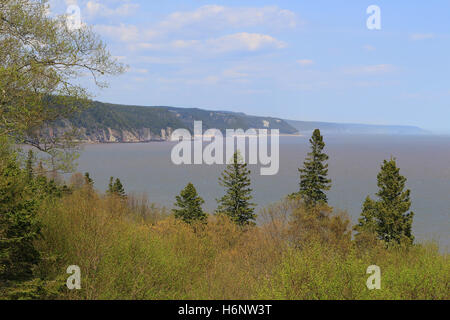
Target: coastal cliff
(112, 123)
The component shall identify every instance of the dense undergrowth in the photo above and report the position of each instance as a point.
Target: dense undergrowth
(129, 252)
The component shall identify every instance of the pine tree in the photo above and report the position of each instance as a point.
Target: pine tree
(119, 189)
(388, 217)
(19, 225)
(110, 189)
(116, 188)
(88, 180)
(313, 174)
(190, 204)
(88, 185)
(236, 201)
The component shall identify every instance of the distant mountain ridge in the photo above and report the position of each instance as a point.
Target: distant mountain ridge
(354, 128)
(106, 122)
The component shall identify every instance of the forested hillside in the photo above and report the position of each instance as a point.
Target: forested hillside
(104, 122)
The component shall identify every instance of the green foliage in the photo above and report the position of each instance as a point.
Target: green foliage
(313, 174)
(122, 257)
(23, 192)
(388, 217)
(119, 117)
(19, 225)
(102, 116)
(30, 165)
(35, 289)
(236, 201)
(88, 180)
(190, 206)
(116, 188)
(323, 273)
(38, 83)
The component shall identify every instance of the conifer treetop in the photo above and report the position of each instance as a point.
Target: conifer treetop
(236, 203)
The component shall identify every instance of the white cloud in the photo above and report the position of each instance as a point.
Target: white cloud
(233, 42)
(421, 36)
(71, 2)
(305, 62)
(206, 18)
(175, 32)
(125, 33)
(95, 8)
(204, 77)
(244, 41)
(215, 16)
(369, 47)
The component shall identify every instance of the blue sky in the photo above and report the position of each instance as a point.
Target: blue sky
(304, 60)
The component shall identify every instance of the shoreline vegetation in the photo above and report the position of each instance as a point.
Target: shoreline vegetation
(127, 251)
(192, 139)
(128, 248)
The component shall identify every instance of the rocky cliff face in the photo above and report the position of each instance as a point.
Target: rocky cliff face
(124, 136)
(110, 135)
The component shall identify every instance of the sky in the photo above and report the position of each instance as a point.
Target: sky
(301, 60)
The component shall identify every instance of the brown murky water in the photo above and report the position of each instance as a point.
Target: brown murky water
(354, 164)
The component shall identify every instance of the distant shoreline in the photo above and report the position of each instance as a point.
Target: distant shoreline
(87, 142)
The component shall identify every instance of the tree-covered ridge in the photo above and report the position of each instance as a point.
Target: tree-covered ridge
(101, 116)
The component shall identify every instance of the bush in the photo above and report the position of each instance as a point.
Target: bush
(122, 256)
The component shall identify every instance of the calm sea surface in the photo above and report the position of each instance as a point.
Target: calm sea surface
(353, 167)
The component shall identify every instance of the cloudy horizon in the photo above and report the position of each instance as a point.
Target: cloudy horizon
(299, 61)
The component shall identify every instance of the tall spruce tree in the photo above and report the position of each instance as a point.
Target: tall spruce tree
(116, 188)
(236, 201)
(110, 189)
(119, 189)
(190, 205)
(313, 174)
(19, 224)
(388, 217)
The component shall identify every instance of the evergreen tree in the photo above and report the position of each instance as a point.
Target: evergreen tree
(313, 174)
(119, 189)
(116, 188)
(110, 189)
(388, 217)
(88, 180)
(88, 185)
(190, 204)
(236, 201)
(19, 226)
